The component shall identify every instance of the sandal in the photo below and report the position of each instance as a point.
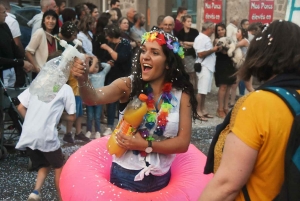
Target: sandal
(208, 116)
(221, 114)
(202, 118)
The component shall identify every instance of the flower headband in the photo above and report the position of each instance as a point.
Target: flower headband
(163, 38)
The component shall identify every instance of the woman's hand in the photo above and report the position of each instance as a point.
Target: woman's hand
(134, 142)
(28, 67)
(80, 70)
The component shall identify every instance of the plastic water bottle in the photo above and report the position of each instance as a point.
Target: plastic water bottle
(55, 73)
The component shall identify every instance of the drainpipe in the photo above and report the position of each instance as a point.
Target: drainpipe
(224, 6)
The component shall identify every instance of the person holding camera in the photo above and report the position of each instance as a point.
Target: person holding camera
(205, 52)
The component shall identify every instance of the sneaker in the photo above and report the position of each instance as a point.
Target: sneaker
(68, 138)
(81, 137)
(107, 131)
(88, 134)
(34, 196)
(97, 135)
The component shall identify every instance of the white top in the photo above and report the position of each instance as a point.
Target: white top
(97, 79)
(36, 22)
(39, 128)
(244, 48)
(38, 47)
(159, 163)
(86, 42)
(203, 43)
(13, 25)
(231, 31)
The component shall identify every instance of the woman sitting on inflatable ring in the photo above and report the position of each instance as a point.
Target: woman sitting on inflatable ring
(166, 129)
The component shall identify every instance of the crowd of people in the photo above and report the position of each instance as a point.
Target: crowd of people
(123, 60)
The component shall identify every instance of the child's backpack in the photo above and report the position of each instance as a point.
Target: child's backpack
(290, 190)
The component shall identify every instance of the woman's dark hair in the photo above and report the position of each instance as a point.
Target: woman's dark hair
(244, 33)
(273, 52)
(68, 29)
(119, 14)
(221, 24)
(112, 31)
(84, 23)
(53, 14)
(243, 22)
(78, 9)
(68, 15)
(175, 74)
(101, 23)
(91, 6)
(257, 27)
(185, 17)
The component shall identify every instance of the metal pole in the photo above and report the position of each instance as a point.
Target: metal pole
(224, 7)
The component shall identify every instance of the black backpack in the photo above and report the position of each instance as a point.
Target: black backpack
(290, 190)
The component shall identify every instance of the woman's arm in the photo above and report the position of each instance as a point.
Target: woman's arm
(237, 163)
(177, 144)
(31, 60)
(117, 90)
(242, 43)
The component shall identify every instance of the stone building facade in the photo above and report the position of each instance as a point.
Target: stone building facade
(153, 8)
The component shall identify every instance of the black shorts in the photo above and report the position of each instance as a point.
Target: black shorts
(41, 159)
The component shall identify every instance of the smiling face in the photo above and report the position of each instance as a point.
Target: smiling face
(221, 31)
(50, 22)
(153, 62)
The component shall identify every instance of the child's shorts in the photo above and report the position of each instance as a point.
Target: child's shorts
(41, 159)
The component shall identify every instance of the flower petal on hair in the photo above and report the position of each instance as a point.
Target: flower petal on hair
(160, 39)
(175, 47)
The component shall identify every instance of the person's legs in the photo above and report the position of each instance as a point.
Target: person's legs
(56, 159)
(111, 112)
(249, 85)
(242, 88)
(221, 100)
(40, 163)
(90, 115)
(98, 111)
(57, 173)
(79, 113)
(40, 179)
(233, 91)
(226, 99)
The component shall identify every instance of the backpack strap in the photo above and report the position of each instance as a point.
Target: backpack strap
(292, 99)
(290, 96)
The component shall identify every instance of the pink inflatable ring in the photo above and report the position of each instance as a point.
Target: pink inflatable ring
(85, 177)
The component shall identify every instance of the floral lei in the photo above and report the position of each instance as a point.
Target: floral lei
(150, 117)
(160, 37)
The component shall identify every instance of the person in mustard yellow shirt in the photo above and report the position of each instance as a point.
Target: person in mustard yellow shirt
(250, 151)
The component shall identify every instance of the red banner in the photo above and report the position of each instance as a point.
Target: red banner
(213, 11)
(261, 11)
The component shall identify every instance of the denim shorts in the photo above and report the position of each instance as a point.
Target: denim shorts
(79, 111)
(124, 178)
